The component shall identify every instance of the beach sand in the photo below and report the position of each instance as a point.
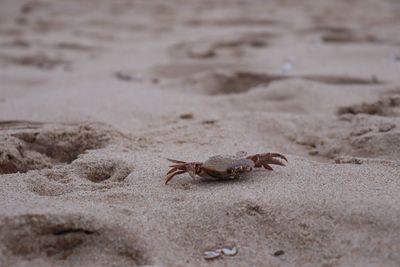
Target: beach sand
(95, 95)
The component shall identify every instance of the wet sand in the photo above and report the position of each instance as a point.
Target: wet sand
(95, 95)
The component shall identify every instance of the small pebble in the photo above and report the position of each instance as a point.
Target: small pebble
(129, 77)
(258, 43)
(186, 116)
(209, 122)
(348, 160)
(279, 253)
(123, 76)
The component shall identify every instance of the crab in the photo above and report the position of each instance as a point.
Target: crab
(225, 167)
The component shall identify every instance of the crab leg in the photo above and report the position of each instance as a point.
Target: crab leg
(275, 161)
(268, 158)
(174, 169)
(266, 166)
(176, 161)
(172, 174)
(277, 155)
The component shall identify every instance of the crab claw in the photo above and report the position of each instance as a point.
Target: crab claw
(263, 160)
(180, 167)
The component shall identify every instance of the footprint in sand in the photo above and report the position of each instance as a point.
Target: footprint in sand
(342, 35)
(233, 22)
(31, 146)
(37, 60)
(82, 174)
(365, 130)
(98, 170)
(53, 238)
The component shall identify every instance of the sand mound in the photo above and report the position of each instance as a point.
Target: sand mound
(223, 82)
(228, 46)
(226, 82)
(388, 105)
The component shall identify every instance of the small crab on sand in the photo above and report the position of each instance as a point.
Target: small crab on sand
(225, 167)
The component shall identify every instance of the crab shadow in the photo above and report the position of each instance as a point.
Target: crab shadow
(255, 177)
(208, 183)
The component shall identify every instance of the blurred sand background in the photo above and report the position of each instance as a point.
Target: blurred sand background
(95, 94)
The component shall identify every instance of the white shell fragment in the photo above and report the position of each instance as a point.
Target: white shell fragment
(216, 253)
(230, 251)
(286, 67)
(213, 254)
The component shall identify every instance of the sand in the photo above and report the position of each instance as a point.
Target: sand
(95, 95)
